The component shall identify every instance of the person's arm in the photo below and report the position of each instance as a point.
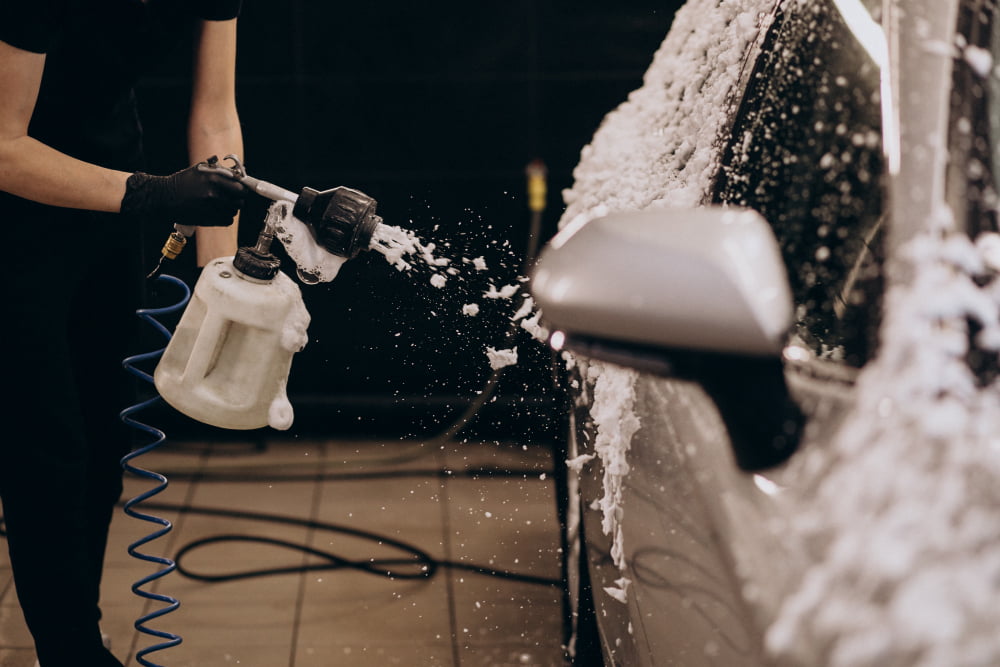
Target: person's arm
(29, 168)
(35, 171)
(214, 125)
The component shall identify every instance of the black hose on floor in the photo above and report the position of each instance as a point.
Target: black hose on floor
(415, 563)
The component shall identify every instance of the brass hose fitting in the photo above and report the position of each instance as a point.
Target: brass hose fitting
(174, 245)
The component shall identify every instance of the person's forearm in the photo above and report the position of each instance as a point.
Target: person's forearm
(32, 170)
(214, 126)
(219, 137)
(29, 168)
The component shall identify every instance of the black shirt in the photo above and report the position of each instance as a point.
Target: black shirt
(96, 50)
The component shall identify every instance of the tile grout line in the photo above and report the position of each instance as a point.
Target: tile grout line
(443, 504)
(317, 497)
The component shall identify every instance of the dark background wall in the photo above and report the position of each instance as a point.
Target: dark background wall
(434, 109)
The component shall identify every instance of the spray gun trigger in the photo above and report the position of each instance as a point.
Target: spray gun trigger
(238, 169)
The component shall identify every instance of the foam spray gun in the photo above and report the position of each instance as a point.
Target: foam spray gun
(342, 219)
(228, 360)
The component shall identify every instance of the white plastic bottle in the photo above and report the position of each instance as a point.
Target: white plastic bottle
(227, 363)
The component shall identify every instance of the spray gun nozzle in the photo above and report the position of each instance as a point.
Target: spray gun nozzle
(342, 219)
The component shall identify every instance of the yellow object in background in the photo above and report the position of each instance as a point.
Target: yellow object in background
(537, 185)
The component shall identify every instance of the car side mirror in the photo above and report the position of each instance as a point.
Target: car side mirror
(698, 294)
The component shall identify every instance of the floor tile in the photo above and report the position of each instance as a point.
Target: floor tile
(511, 454)
(375, 655)
(350, 609)
(507, 523)
(189, 655)
(405, 510)
(364, 611)
(354, 500)
(512, 656)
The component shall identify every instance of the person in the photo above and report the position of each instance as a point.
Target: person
(73, 198)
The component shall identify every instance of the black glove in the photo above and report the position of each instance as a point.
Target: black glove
(198, 196)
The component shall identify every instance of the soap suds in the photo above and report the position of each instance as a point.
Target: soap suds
(616, 422)
(402, 249)
(526, 307)
(900, 525)
(505, 292)
(657, 149)
(532, 326)
(314, 263)
(396, 244)
(478, 263)
(501, 358)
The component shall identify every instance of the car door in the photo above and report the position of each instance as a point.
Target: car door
(705, 564)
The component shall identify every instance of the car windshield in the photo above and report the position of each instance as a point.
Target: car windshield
(806, 152)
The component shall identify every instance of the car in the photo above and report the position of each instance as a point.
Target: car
(774, 301)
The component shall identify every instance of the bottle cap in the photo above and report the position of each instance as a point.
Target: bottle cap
(255, 264)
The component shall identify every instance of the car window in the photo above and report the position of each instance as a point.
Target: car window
(972, 136)
(806, 152)
(973, 179)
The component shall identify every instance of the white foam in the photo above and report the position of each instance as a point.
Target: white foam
(505, 292)
(314, 263)
(501, 358)
(657, 149)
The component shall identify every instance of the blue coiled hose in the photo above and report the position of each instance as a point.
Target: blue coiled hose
(149, 315)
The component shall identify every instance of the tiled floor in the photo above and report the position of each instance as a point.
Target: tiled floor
(424, 495)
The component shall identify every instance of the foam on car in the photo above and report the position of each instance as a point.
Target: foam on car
(658, 149)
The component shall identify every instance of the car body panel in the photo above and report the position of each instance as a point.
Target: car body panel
(702, 539)
(922, 38)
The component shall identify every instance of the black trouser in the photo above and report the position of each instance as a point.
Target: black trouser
(70, 321)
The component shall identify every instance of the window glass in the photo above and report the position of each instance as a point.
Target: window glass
(973, 133)
(985, 15)
(806, 152)
(971, 188)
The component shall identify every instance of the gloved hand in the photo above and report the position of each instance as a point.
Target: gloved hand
(198, 196)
